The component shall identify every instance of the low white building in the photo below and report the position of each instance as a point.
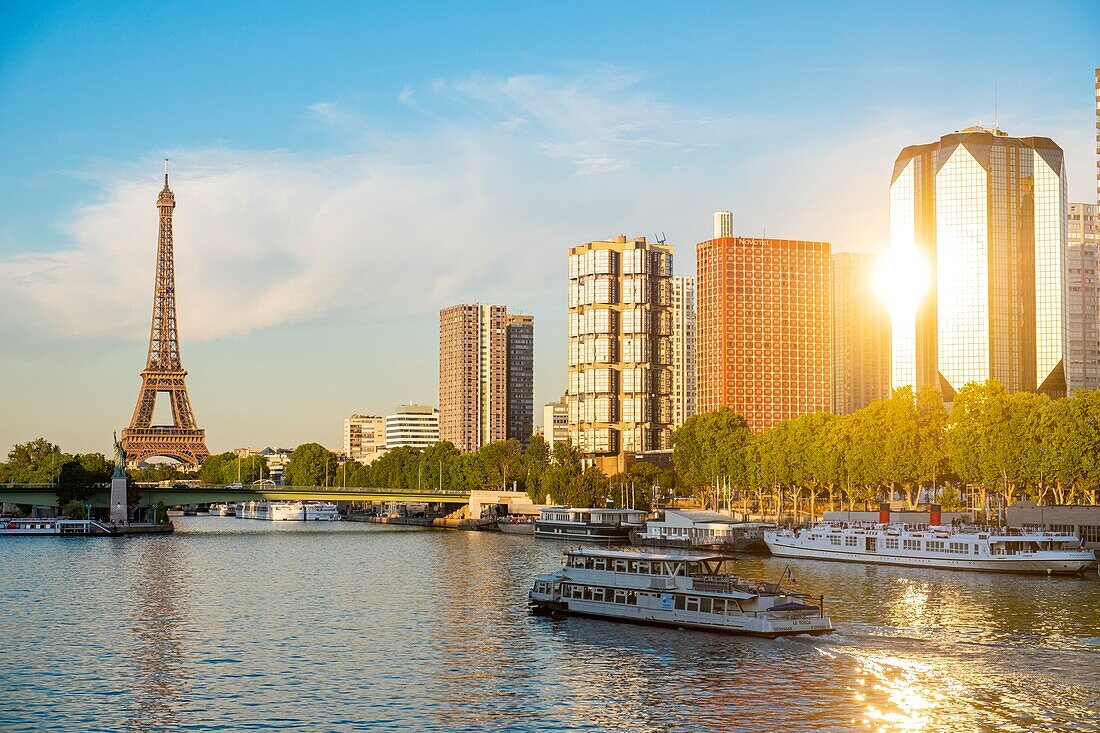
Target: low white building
(412, 426)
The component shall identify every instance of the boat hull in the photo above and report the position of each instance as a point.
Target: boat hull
(582, 533)
(1040, 563)
(646, 617)
(516, 528)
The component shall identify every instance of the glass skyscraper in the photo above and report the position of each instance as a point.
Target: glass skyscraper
(986, 211)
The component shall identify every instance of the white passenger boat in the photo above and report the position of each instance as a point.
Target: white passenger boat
(54, 527)
(702, 530)
(989, 549)
(276, 511)
(321, 511)
(588, 524)
(682, 591)
(221, 510)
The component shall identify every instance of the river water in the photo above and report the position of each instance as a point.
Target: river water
(242, 625)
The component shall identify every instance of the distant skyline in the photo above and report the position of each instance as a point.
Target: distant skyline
(342, 173)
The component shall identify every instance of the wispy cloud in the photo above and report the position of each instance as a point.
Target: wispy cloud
(472, 195)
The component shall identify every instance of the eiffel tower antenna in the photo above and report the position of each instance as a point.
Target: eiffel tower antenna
(164, 375)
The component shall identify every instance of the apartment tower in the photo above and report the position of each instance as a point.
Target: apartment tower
(986, 212)
(620, 350)
(364, 437)
(473, 367)
(763, 328)
(683, 348)
(723, 224)
(521, 381)
(861, 335)
(1082, 287)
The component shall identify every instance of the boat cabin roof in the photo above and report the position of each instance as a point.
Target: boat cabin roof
(632, 555)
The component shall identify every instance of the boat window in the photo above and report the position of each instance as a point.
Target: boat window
(693, 603)
(834, 541)
(644, 567)
(599, 564)
(597, 594)
(632, 598)
(719, 606)
(620, 566)
(679, 603)
(912, 544)
(620, 596)
(632, 566)
(704, 605)
(849, 541)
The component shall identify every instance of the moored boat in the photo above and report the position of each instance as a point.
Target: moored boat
(516, 525)
(677, 590)
(702, 530)
(54, 526)
(588, 524)
(987, 549)
(221, 510)
(276, 511)
(321, 511)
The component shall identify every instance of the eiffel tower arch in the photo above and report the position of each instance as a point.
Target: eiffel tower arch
(163, 374)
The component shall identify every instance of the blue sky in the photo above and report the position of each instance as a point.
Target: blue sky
(342, 171)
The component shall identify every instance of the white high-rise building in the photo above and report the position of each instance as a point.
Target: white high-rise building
(364, 437)
(1083, 298)
(555, 422)
(723, 224)
(412, 426)
(683, 349)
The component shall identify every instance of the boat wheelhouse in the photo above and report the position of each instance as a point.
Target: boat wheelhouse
(702, 530)
(590, 524)
(988, 549)
(677, 590)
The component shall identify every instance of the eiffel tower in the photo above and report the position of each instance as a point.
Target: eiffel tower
(163, 373)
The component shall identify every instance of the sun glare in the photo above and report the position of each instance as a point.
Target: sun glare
(901, 279)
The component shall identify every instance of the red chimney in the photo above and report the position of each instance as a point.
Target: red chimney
(934, 516)
(884, 513)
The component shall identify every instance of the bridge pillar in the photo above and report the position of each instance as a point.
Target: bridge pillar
(118, 500)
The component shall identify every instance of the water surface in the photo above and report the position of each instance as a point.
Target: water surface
(244, 625)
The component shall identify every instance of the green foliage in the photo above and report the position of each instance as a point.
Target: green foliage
(311, 464)
(75, 509)
(228, 468)
(711, 445)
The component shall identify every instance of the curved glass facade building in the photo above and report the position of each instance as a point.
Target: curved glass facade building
(986, 212)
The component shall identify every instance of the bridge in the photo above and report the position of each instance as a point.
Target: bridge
(46, 494)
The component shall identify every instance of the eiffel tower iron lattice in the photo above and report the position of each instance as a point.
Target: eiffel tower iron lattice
(163, 373)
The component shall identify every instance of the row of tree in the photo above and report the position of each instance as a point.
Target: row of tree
(1013, 445)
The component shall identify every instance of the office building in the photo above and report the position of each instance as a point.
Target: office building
(723, 224)
(1083, 298)
(412, 426)
(763, 328)
(861, 335)
(364, 437)
(620, 350)
(521, 380)
(555, 422)
(473, 369)
(683, 349)
(986, 212)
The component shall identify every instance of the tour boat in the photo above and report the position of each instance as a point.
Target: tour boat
(678, 590)
(989, 549)
(321, 511)
(54, 527)
(588, 524)
(276, 511)
(516, 525)
(702, 530)
(221, 510)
